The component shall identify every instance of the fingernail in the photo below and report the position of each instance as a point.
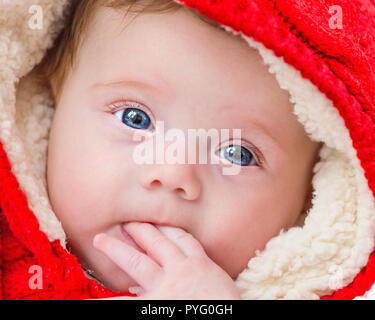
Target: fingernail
(125, 225)
(98, 240)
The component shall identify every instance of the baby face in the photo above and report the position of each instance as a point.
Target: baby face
(180, 70)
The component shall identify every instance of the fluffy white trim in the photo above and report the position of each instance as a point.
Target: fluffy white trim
(328, 251)
(25, 109)
(303, 263)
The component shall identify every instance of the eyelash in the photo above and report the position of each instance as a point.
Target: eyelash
(249, 146)
(113, 107)
(132, 104)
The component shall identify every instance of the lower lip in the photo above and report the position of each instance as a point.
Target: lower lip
(129, 240)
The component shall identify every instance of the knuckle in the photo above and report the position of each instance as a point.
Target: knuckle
(184, 236)
(198, 260)
(195, 263)
(135, 261)
(158, 242)
(194, 243)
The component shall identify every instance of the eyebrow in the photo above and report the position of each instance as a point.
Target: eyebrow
(154, 89)
(136, 84)
(262, 128)
(259, 126)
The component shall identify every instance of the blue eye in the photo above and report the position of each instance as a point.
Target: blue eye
(135, 118)
(237, 154)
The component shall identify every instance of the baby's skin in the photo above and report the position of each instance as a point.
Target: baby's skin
(171, 264)
(196, 228)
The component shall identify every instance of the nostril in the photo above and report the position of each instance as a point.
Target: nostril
(186, 194)
(155, 183)
(180, 191)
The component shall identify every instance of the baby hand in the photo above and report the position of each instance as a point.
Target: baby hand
(175, 266)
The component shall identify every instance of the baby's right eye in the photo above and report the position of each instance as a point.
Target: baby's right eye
(134, 118)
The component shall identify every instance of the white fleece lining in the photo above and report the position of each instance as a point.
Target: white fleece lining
(302, 263)
(25, 109)
(328, 251)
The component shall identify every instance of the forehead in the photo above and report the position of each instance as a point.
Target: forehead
(187, 58)
(175, 40)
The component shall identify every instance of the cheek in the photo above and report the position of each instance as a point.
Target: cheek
(243, 224)
(70, 184)
(85, 172)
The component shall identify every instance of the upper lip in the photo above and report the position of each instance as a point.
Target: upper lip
(154, 222)
(161, 215)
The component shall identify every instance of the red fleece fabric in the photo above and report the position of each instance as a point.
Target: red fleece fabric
(340, 62)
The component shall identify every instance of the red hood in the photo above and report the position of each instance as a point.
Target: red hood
(337, 62)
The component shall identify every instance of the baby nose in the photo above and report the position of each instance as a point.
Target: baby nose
(180, 179)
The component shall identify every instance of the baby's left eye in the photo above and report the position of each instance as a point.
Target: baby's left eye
(237, 154)
(134, 117)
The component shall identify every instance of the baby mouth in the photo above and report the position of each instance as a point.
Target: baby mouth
(129, 240)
